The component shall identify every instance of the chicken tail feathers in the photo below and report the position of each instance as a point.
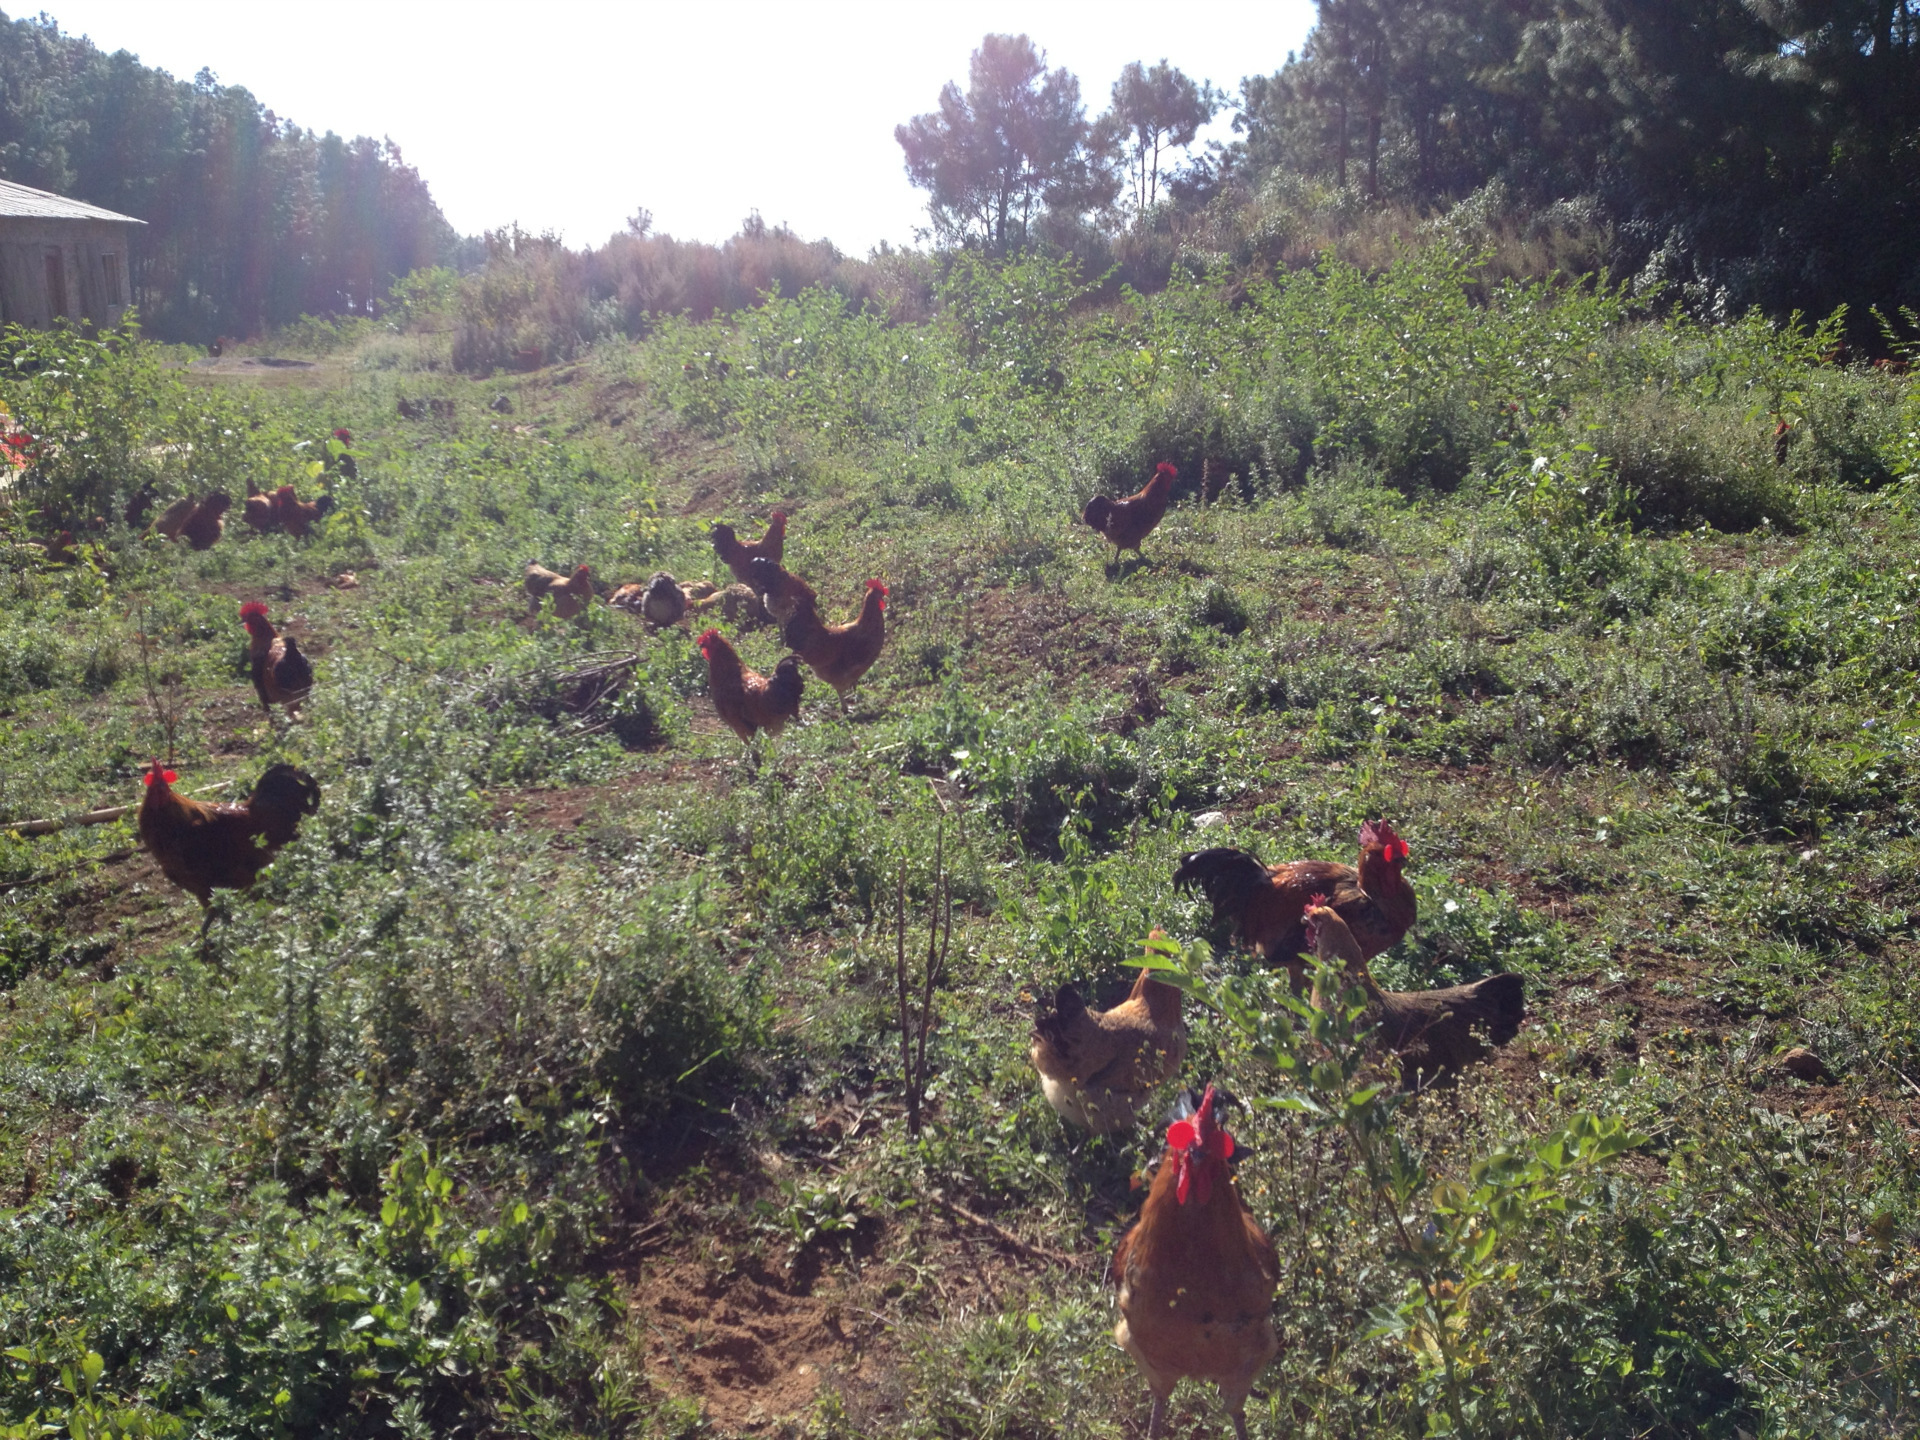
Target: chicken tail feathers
(1503, 1002)
(283, 796)
(1227, 877)
(1097, 511)
(786, 686)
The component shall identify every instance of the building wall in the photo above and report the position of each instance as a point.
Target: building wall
(95, 270)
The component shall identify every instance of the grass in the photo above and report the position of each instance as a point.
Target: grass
(549, 1084)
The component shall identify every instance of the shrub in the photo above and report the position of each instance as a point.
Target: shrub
(1679, 464)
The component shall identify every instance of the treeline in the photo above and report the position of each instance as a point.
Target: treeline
(1747, 152)
(252, 221)
(1729, 154)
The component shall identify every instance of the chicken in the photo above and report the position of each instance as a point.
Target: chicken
(1098, 1067)
(259, 511)
(1265, 903)
(1197, 1276)
(1126, 523)
(207, 523)
(664, 602)
(746, 700)
(570, 593)
(170, 520)
(838, 654)
(298, 516)
(281, 674)
(202, 847)
(741, 604)
(739, 557)
(59, 549)
(140, 505)
(1431, 1030)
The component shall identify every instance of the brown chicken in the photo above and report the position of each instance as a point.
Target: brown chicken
(1265, 903)
(169, 521)
(1126, 523)
(1098, 1067)
(207, 523)
(1197, 1276)
(259, 511)
(202, 847)
(739, 557)
(745, 699)
(838, 654)
(570, 593)
(297, 516)
(140, 505)
(1435, 1032)
(281, 674)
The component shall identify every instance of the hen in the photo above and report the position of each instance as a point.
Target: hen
(259, 511)
(570, 593)
(1098, 1067)
(281, 674)
(739, 557)
(298, 516)
(745, 699)
(1197, 1276)
(1265, 902)
(1433, 1031)
(204, 527)
(169, 520)
(838, 654)
(1126, 523)
(202, 847)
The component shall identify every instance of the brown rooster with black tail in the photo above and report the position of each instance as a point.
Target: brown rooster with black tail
(1265, 902)
(281, 674)
(203, 848)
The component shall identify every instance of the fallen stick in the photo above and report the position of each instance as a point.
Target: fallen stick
(1001, 1233)
(92, 817)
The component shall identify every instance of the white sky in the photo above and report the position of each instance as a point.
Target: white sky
(571, 114)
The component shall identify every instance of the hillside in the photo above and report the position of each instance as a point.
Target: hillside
(550, 1081)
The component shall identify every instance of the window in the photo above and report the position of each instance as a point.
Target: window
(56, 283)
(110, 263)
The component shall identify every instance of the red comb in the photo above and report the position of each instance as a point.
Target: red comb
(707, 637)
(1201, 1134)
(880, 585)
(156, 773)
(1170, 471)
(344, 436)
(253, 607)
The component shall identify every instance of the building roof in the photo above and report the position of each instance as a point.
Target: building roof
(45, 205)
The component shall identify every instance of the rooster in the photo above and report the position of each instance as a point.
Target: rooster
(1197, 1276)
(570, 593)
(1098, 1067)
(739, 557)
(259, 511)
(1431, 1030)
(281, 674)
(1126, 523)
(838, 654)
(1265, 902)
(204, 527)
(745, 699)
(202, 847)
(298, 516)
